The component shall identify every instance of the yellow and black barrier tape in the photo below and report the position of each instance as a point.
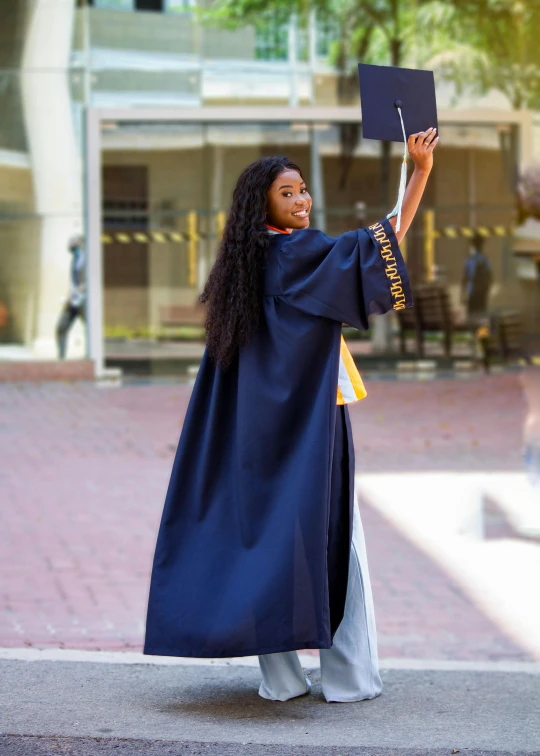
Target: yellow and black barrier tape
(151, 237)
(180, 237)
(468, 232)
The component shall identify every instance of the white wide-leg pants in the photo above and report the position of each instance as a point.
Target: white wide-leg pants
(350, 668)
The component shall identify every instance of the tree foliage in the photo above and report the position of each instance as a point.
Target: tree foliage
(479, 45)
(487, 44)
(371, 31)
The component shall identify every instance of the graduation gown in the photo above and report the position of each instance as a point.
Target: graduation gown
(254, 530)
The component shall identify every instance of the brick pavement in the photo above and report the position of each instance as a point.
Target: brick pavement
(83, 474)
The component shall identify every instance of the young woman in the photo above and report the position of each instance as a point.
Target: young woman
(260, 548)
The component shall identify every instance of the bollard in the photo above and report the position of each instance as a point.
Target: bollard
(221, 217)
(192, 247)
(429, 244)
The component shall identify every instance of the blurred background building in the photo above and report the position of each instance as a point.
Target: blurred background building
(128, 121)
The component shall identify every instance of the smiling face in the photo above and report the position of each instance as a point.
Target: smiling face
(288, 202)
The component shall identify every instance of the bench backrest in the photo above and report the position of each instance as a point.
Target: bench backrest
(511, 332)
(182, 314)
(431, 310)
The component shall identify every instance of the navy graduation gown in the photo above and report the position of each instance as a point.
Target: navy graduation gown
(250, 551)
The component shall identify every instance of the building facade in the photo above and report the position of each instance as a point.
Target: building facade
(127, 122)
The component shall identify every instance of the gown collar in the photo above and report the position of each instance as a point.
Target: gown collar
(274, 230)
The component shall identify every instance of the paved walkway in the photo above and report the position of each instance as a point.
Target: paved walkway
(84, 472)
(216, 711)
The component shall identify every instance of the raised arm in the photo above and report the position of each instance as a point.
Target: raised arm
(420, 148)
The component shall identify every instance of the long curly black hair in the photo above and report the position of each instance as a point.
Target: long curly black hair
(233, 290)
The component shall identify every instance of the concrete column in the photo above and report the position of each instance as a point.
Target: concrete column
(317, 180)
(293, 61)
(215, 225)
(312, 40)
(471, 185)
(55, 160)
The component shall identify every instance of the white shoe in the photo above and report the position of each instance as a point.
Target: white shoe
(264, 693)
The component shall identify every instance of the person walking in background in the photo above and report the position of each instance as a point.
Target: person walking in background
(477, 279)
(74, 306)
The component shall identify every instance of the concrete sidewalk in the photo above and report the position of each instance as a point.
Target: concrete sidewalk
(88, 708)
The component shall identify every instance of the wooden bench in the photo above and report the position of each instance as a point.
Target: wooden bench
(182, 315)
(504, 338)
(431, 313)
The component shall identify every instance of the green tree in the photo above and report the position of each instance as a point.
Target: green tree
(486, 44)
(371, 31)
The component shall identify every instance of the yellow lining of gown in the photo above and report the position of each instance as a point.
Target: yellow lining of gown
(350, 385)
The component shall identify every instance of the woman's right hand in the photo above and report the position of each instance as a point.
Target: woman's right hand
(421, 148)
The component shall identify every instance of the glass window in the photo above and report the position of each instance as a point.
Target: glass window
(42, 249)
(166, 190)
(179, 6)
(115, 4)
(271, 40)
(327, 34)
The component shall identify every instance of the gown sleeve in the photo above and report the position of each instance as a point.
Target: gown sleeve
(346, 278)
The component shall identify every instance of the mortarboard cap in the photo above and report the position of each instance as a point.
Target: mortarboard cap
(396, 102)
(381, 87)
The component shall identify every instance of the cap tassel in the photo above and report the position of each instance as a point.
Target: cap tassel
(403, 177)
